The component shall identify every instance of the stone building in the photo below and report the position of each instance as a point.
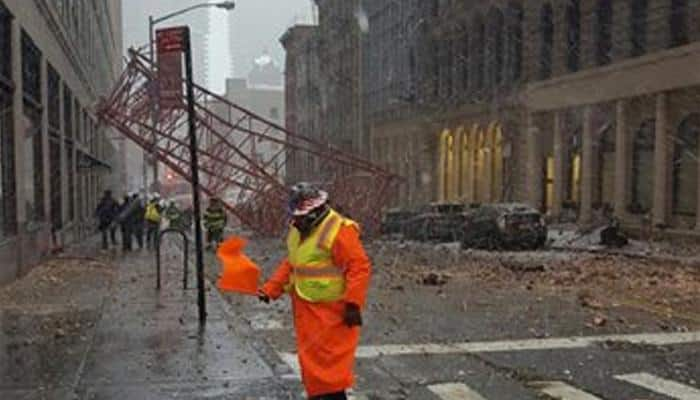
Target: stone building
(579, 107)
(302, 97)
(56, 59)
(339, 53)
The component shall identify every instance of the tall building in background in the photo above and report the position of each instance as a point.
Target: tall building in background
(136, 14)
(302, 97)
(135, 21)
(57, 58)
(246, 22)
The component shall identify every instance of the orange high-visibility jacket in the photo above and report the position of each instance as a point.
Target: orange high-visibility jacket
(326, 346)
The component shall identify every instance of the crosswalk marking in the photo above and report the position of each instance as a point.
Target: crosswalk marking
(662, 386)
(657, 339)
(562, 391)
(455, 391)
(264, 323)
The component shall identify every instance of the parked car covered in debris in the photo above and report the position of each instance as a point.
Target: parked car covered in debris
(393, 221)
(507, 226)
(440, 222)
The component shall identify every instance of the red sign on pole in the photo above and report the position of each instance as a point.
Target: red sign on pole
(171, 39)
(170, 44)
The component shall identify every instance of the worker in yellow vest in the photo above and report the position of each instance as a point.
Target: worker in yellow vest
(153, 218)
(327, 275)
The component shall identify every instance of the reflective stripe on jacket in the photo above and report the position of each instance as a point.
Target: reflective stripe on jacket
(215, 218)
(314, 276)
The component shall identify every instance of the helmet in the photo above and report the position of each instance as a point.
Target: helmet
(305, 198)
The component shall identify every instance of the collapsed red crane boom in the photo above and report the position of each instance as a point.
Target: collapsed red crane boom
(243, 157)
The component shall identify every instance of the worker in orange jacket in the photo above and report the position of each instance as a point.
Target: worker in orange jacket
(327, 275)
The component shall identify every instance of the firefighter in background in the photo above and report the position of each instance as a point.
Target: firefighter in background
(173, 214)
(153, 218)
(215, 220)
(327, 275)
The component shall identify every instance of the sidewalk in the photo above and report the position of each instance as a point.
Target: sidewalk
(134, 342)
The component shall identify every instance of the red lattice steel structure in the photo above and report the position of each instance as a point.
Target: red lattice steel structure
(242, 156)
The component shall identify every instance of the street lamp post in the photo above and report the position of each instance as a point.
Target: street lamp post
(152, 22)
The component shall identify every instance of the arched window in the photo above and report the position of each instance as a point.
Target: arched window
(515, 40)
(546, 40)
(478, 53)
(642, 164)
(678, 21)
(573, 34)
(604, 21)
(685, 167)
(495, 55)
(639, 11)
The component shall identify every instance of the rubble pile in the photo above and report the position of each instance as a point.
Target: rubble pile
(606, 278)
(56, 301)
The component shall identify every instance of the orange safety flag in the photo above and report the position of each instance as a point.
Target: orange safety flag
(238, 273)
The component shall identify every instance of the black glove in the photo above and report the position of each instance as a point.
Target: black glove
(352, 316)
(263, 297)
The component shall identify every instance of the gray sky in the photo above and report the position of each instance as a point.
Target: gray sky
(254, 26)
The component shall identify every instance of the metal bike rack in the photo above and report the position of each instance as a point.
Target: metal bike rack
(185, 259)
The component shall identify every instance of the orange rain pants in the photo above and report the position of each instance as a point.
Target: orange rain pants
(326, 346)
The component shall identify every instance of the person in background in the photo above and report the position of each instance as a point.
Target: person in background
(215, 220)
(107, 210)
(123, 221)
(153, 217)
(137, 219)
(173, 215)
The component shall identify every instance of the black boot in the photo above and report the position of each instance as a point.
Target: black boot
(331, 396)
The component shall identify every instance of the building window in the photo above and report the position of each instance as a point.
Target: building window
(8, 220)
(54, 114)
(515, 40)
(574, 157)
(435, 8)
(638, 27)
(70, 162)
(435, 64)
(478, 59)
(5, 44)
(678, 21)
(642, 163)
(604, 20)
(465, 60)
(606, 168)
(573, 35)
(495, 52)
(448, 71)
(33, 180)
(546, 40)
(685, 167)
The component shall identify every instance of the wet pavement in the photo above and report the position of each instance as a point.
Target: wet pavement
(120, 338)
(469, 338)
(84, 328)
